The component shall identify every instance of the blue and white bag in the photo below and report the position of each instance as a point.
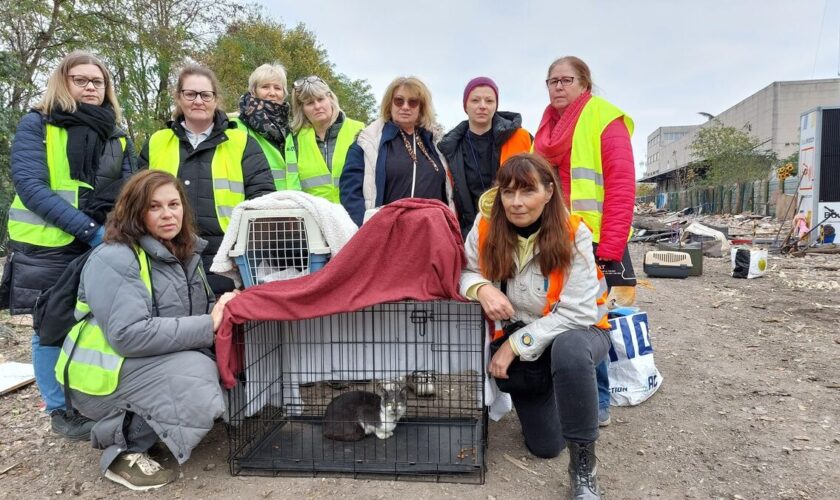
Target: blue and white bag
(633, 374)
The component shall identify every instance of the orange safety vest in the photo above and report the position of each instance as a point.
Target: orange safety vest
(555, 278)
(519, 142)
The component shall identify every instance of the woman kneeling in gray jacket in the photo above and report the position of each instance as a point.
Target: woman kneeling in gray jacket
(139, 359)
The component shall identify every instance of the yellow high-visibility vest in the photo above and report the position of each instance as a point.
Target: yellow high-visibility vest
(586, 197)
(28, 227)
(226, 167)
(276, 162)
(308, 166)
(94, 366)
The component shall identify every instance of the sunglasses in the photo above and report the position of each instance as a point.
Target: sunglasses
(412, 102)
(305, 82)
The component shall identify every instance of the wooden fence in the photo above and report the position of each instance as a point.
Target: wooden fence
(758, 197)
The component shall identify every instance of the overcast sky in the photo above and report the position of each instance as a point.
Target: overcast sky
(660, 61)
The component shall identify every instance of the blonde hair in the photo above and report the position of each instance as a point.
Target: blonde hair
(426, 118)
(195, 70)
(580, 67)
(309, 92)
(268, 73)
(58, 90)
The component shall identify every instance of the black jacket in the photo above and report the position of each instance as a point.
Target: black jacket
(505, 123)
(195, 172)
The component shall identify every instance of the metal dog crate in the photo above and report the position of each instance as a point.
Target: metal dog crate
(274, 245)
(293, 369)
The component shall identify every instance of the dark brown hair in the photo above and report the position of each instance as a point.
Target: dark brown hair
(195, 70)
(580, 68)
(554, 242)
(126, 225)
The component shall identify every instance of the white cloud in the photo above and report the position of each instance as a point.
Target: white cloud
(660, 61)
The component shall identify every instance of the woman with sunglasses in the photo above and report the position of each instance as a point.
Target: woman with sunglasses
(396, 156)
(477, 146)
(264, 114)
(218, 163)
(587, 140)
(69, 159)
(322, 136)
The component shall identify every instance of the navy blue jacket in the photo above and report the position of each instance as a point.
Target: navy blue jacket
(353, 175)
(31, 179)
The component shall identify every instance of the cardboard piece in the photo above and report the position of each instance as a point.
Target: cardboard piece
(15, 375)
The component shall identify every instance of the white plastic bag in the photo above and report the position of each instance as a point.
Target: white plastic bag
(748, 262)
(633, 374)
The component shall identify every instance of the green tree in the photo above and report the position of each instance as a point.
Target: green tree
(145, 42)
(730, 155)
(256, 41)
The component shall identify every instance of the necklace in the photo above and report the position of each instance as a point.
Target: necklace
(413, 154)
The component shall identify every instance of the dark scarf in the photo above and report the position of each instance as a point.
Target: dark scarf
(88, 130)
(527, 231)
(268, 118)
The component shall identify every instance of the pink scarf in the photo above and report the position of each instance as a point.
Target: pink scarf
(554, 135)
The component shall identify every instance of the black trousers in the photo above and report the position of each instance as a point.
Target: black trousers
(568, 411)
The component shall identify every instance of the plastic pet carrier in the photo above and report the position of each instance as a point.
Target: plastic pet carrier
(296, 373)
(663, 264)
(274, 245)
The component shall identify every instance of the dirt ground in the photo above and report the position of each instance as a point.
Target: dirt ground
(749, 408)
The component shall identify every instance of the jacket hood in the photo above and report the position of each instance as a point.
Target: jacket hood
(485, 202)
(505, 124)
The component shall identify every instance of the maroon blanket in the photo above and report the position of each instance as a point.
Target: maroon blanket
(412, 249)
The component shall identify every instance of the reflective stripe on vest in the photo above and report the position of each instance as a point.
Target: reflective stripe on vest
(28, 227)
(226, 167)
(94, 365)
(309, 164)
(586, 198)
(555, 278)
(275, 159)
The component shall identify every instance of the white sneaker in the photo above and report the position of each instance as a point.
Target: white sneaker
(137, 471)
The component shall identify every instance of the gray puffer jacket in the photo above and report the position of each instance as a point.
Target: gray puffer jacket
(165, 379)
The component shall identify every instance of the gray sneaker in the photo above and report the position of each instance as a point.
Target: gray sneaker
(138, 472)
(603, 417)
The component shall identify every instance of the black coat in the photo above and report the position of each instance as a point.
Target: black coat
(505, 123)
(196, 174)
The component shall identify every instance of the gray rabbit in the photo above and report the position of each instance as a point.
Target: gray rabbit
(353, 415)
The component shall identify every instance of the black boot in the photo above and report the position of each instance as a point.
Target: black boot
(71, 425)
(582, 471)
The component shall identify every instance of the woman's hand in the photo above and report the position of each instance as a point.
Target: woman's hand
(501, 361)
(495, 304)
(219, 309)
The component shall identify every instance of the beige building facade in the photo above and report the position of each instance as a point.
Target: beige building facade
(771, 115)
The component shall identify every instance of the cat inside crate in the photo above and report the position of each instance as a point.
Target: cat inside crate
(353, 415)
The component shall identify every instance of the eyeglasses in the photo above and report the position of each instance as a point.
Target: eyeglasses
(306, 81)
(81, 81)
(565, 81)
(412, 102)
(191, 95)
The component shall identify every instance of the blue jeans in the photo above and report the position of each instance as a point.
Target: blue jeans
(44, 359)
(603, 384)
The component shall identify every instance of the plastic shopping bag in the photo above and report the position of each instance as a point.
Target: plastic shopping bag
(633, 374)
(748, 263)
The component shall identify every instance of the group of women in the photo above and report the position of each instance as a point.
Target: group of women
(138, 363)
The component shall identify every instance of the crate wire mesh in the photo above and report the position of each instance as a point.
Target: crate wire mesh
(295, 368)
(274, 245)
